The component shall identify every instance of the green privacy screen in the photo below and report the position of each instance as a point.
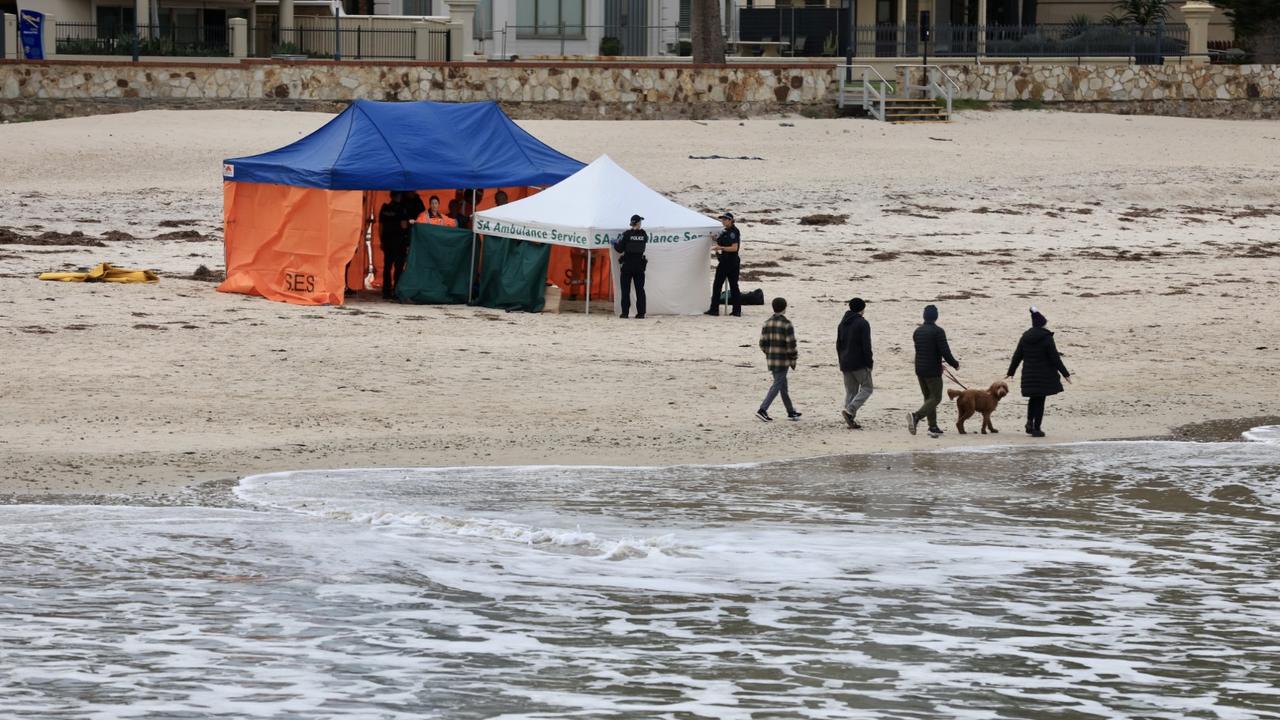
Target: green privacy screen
(439, 268)
(514, 274)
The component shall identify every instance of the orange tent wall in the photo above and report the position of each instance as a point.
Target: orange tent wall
(288, 243)
(567, 270)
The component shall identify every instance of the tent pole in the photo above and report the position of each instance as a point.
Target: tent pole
(471, 276)
(588, 306)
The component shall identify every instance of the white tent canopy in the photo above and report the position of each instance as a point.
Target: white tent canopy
(593, 206)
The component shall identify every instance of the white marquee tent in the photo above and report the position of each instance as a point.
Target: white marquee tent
(593, 206)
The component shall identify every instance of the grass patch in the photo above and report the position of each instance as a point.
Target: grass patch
(1026, 105)
(969, 104)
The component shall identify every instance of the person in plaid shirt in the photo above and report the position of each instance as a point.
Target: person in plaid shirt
(778, 341)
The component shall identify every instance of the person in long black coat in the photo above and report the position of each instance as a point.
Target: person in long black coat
(1041, 369)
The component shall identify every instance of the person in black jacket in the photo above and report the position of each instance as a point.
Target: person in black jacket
(630, 246)
(393, 234)
(853, 346)
(727, 246)
(931, 350)
(1041, 368)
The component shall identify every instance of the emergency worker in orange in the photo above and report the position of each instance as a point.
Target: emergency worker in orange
(432, 215)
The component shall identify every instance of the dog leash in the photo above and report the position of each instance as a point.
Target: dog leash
(953, 379)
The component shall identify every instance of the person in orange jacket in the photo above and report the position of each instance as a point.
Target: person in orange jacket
(432, 215)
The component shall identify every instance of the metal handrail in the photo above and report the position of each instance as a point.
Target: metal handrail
(931, 86)
(873, 98)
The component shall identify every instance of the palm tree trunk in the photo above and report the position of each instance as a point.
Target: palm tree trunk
(705, 32)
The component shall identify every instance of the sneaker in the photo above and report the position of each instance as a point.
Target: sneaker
(640, 316)
(935, 430)
(848, 420)
(711, 312)
(764, 416)
(794, 415)
(736, 313)
(912, 421)
(855, 425)
(1037, 433)
(624, 316)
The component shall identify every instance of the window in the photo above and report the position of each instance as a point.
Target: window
(416, 7)
(543, 18)
(114, 21)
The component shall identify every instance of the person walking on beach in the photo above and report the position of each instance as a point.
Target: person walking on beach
(853, 347)
(1041, 368)
(778, 341)
(728, 242)
(630, 246)
(931, 351)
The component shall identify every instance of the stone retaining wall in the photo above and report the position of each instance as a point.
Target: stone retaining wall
(568, 90)
(1116, 83)
(609, 91)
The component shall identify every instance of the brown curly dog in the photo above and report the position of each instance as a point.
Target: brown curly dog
(984, 401)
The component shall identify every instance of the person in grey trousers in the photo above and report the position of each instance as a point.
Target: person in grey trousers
(853, 346)
(931, 351)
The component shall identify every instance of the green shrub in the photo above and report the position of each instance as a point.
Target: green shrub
(610, 46)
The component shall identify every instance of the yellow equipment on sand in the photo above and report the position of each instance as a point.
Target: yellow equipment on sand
(104, 272)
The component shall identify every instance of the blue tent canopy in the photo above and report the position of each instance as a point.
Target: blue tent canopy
(409, 146)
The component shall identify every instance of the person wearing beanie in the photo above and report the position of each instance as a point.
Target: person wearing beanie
(931, 351)
(853, 347)
(1042, 369)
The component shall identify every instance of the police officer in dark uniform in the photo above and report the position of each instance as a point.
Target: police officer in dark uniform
(393, 233)
(727, 244)
(631, 261)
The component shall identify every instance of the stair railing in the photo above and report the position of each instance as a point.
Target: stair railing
(868, 92)
(937, 83)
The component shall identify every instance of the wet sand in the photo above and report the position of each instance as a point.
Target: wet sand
(1150, 244)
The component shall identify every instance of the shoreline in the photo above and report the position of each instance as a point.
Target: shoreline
(220, 493)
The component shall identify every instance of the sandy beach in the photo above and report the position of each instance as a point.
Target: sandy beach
(1150, 244)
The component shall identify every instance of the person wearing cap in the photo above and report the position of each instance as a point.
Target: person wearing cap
(1041, 368)
(931, 351)
(727, 244)
(853, 347)
(630, 247)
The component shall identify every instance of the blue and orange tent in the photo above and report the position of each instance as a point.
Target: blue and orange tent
(295, 218)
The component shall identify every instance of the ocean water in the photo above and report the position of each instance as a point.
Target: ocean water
(1098, 580)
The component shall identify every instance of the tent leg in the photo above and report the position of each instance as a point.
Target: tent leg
(588, 305)
(471, 276)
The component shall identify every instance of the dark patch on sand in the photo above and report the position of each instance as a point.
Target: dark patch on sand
(9, 236)
(824, 219)
(204, 274)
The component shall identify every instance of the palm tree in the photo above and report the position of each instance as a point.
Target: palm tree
(1138, 12)
(705, 33)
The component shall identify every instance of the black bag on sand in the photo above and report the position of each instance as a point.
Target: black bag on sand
(749, 297)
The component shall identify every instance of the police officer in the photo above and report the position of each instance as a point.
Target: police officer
(630, 246)
(393, 234)
(727, 244)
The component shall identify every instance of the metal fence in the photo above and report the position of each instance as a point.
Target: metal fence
(351, 43)
(618, 38)
(1149, 44)
(795, 32)
(155, 40)
(1144, 44)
